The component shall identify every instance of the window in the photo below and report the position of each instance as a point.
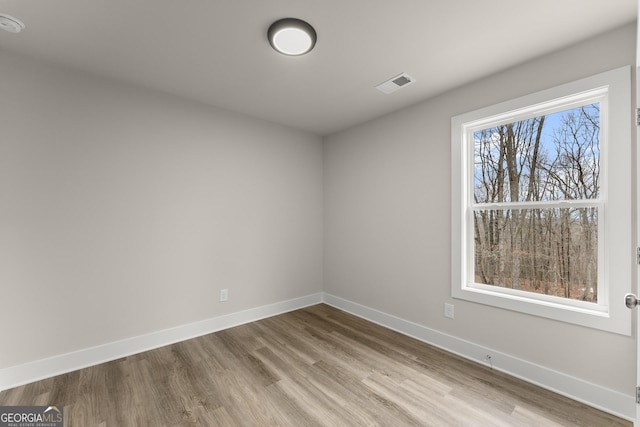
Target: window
(541, 203)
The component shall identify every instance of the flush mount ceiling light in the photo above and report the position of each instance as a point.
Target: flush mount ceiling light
(291, 36)
(11, 24)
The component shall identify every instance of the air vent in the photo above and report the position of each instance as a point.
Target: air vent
(395, 83)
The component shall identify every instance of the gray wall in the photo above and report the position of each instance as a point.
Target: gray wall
(388, 227)
(125, 211)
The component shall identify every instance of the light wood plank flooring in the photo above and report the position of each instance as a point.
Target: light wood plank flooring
(312, 367)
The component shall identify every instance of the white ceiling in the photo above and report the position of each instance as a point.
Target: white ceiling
(216, 52)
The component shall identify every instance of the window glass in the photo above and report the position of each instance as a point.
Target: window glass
(546, 251)
(552, 157)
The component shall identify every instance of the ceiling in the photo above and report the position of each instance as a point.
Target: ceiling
(216, 51)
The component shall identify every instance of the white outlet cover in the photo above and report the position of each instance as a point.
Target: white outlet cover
(448, 310)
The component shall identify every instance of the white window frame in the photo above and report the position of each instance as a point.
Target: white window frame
(616, 255)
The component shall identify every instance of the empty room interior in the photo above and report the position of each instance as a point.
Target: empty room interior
(418, 213)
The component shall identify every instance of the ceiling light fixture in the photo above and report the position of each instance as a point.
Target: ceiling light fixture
(11, 24)
(291, 36)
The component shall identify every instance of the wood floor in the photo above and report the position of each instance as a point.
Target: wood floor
(312, 367)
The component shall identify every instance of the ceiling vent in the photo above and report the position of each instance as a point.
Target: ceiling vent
(395, 83)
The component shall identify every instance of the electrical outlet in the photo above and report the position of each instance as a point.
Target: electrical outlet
(448, 310)
(224, 295)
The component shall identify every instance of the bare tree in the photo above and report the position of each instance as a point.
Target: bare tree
(543, 250)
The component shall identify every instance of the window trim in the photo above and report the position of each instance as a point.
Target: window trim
(617, 255)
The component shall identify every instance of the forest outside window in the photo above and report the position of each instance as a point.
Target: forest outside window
(541, 188)
(537, 202)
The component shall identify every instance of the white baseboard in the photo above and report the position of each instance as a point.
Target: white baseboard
(613, 402)
(15, 376)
